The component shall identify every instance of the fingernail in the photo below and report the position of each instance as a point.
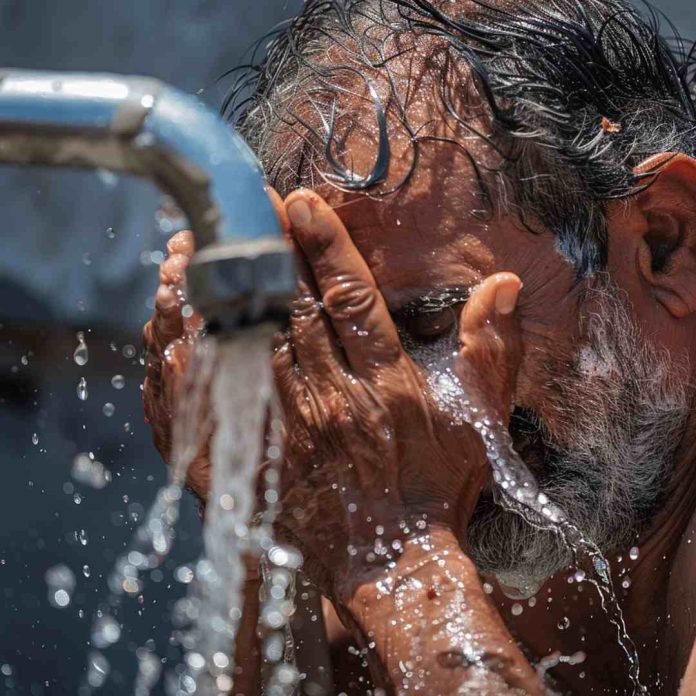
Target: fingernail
(299, 213)
(506, 298)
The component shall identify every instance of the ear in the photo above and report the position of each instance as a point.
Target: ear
(667, 250)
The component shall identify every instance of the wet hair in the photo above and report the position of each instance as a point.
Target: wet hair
(577, 93)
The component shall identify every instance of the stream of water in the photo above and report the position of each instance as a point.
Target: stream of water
(227, 389)
(518, 491)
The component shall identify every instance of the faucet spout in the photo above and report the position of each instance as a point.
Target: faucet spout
(242, 272)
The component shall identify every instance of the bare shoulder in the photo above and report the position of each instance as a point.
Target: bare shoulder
(681, 607)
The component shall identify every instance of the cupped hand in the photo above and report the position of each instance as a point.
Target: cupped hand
(168, 339)
(371, 458)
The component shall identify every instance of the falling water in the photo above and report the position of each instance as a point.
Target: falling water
(240, 396)
(517, 491)
(152, 541)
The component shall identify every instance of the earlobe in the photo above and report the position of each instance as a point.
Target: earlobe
(667, 249)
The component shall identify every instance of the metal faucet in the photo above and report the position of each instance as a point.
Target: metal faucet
(242, 272)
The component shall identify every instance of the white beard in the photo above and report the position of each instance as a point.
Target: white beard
(628, 406)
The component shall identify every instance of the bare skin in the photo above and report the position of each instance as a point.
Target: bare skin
(389, 252)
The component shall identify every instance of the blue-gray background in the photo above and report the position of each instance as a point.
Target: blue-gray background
(61, 272)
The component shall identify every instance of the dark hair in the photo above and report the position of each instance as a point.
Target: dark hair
(577, 93)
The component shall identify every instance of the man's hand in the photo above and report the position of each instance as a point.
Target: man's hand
(371, 460)
(378, 480)
(168, 338)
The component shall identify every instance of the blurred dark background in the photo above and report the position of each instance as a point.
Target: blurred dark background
(79, 252)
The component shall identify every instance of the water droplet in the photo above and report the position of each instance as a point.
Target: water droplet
(105, 631)
(126, 427)
(517, 609)
(81, 536)
(579, 575)
(97, 669)
(487, 588)
(118, 381)
(626, 583)
(77, 498)
(128, 351)
(90, 472)
(633, 553)
(82, 392)
(184, 574)
(61, 582)
(108, 409)
(110, 234)
(86, 571)
(564, 623)
(35, 439)
(86, 258)
(81, 354)
(149, 668)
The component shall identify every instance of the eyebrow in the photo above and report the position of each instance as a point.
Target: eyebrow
(432, 302)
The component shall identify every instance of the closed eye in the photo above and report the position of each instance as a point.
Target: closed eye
(431, 316)
(429, 326)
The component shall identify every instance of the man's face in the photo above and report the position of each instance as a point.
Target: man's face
(587, 378)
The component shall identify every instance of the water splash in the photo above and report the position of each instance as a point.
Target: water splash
(518, 491)
(233, 375)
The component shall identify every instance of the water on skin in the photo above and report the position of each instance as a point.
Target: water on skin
(518, 491)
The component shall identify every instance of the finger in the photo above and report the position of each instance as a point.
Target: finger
(181, 243)
(490, 344)
(312, 336)
(284, 373)
(167, 323)
(172, 270)
(350, 296)
(493, 300)
(280, 211)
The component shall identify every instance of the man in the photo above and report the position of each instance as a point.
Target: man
(495, 210)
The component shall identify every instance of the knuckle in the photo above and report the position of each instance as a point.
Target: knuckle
(350, 298)
(304, 306)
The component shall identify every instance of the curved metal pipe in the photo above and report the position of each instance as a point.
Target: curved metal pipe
(243, 271)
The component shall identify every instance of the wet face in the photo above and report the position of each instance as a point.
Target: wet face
(588, 380)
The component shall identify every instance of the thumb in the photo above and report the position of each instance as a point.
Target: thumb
(490, 343)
